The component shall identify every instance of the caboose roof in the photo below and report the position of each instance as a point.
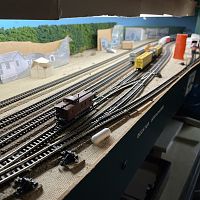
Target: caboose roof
(71, 98)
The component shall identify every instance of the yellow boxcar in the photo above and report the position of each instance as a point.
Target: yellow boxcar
(158, 50)
(143, 60)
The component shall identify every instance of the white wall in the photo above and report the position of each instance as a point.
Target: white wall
(9, 72)
(21, 64)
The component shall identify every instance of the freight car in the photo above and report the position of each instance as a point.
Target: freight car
(74, 106)
(157, 50)
(167, 39)
(143, 60)
(146, 58)
(135, 53)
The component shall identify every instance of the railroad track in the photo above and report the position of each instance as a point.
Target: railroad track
(8, 120)
(51, 99)
(128, 82)
(12, 135)
(36, 90)
(135, 89)
(36, 158)
(38, 141)
(42, 118)
(8, 162)
(14, 170)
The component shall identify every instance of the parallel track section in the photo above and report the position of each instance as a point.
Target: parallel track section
(10, 168)
(42, 118)
(36, 90)
(41, 104)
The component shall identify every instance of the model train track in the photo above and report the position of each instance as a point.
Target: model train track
(128, 82)
(11, 158)
(38, 157)
(135, 90)
(36, 90)
(25, 128)
(32, 124)
(29, 148)
(130, 95)
(41, 104)
(42, 118)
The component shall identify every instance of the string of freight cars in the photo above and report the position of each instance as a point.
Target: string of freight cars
(10, 136)
(28, 150)
(61, 144)
(36, 90)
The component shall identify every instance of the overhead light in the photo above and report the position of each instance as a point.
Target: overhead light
(153, 15)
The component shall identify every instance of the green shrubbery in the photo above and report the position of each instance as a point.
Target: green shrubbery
(84, 36)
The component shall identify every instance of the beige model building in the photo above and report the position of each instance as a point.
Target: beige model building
(41, 68)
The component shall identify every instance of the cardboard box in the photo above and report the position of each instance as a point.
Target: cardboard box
(127, 44)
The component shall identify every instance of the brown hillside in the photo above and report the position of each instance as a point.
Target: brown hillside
(28, 47)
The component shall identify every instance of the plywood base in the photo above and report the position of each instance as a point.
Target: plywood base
(58, 183)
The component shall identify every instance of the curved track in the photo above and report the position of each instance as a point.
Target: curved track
(31, 155)
(36, 90)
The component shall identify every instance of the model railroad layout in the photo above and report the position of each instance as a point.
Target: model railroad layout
(69, 118)
(28, 93)
(24, 95)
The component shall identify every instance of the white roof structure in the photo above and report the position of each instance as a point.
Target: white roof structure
(41, 68)
(42, 60)
(41, 63)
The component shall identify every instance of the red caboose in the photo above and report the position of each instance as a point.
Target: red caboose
(73, 106)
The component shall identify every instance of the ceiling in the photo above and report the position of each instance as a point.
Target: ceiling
(55, 9)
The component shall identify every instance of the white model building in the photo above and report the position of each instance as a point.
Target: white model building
(12, 66)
